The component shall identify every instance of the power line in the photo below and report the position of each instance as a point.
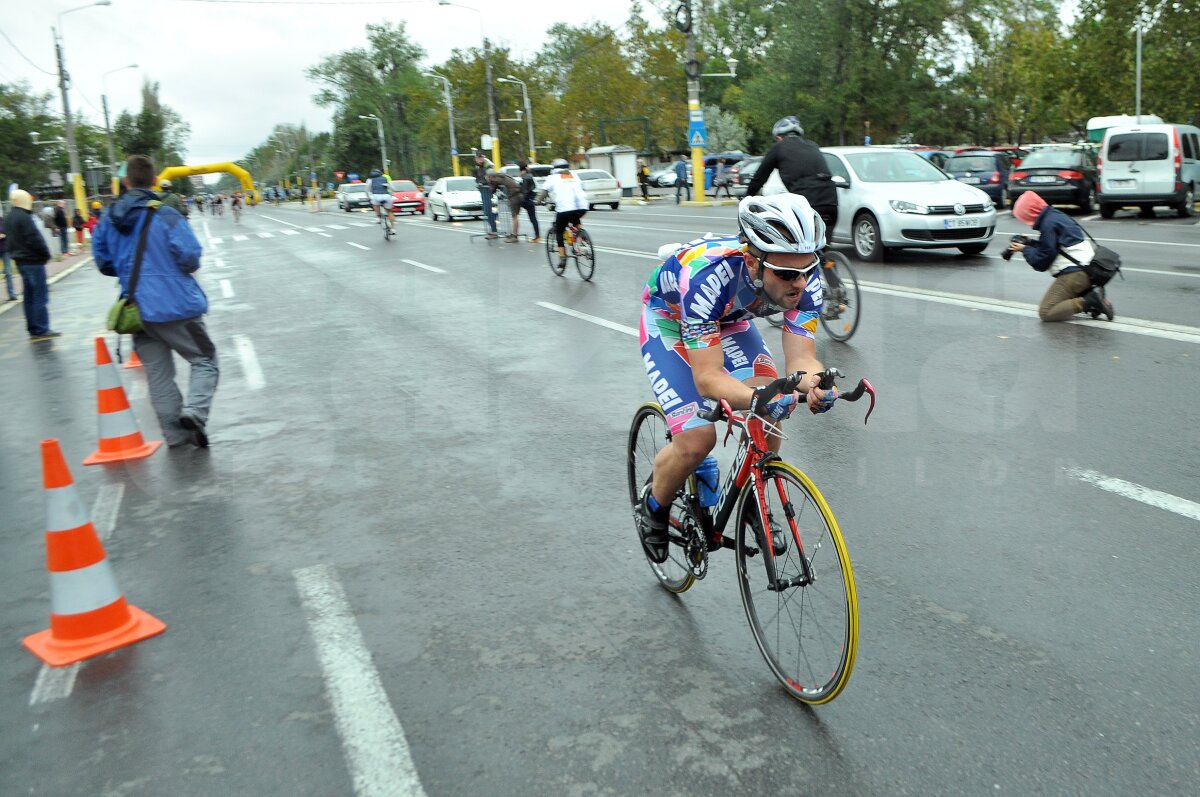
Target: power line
(313, 2)
(31, 63)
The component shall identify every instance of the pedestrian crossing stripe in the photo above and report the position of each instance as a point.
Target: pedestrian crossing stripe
(335, 226)
(266, 235)
(216, 241)
(241, 237)
(290, 232)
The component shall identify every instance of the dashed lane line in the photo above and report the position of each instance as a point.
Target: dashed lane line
(241, 237)
(373, 740)
(1136, 492)
(434, 269)
(591, 319)
(249, 360)
(266, 235)
(289, 232)
(336, 226)
(360, 246)
(226, 289)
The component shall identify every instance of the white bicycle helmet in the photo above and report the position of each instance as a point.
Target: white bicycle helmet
(788, 124)
(559, 166)
(781, 223)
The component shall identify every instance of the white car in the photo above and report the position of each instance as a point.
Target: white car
(895, 199)
(456, 198)
(353, 195)
(601, 187)
(538, 171)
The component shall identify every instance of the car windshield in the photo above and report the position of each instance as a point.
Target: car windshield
(354, 188)
(1138, 147)
(540, 171)
(1052, 159)
(972, 163)
(894, 167)
(461, 184)
(403, 185)
(594, 174)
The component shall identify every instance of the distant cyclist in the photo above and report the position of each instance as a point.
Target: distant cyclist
(802, 169)
(699, 342)
(379, 187)
(565, 190)
(235, 205)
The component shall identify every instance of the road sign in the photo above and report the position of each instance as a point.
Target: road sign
(696, 115)
(697, 134)
(485, 142)
(339, 175)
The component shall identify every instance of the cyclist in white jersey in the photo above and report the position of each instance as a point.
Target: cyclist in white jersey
(570, 201)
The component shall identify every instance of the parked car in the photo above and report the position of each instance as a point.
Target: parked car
(456, 198)
(890, 198)
(407, 198)
(1062, 176)
(1015, 154)
(742, 173)
(984, 168)
(539, 172)
(1149, 165)
(937, 157)
(353, 195)
(601, 187)
(660, 172)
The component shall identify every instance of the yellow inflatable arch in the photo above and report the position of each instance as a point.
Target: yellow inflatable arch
(243, 176)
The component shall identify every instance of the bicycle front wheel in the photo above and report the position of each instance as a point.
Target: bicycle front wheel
(585, 255)
(552, 253)
(839, 315)
(647, 435)
(806, 632)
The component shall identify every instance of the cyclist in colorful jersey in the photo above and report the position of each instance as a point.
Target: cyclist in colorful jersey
(379, 188)
(570, 202)
(699, 342)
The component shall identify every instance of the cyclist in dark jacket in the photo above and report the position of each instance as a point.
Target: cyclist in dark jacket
(802, 169)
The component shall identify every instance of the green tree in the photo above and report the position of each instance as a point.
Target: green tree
(21, 161)
(156, 130)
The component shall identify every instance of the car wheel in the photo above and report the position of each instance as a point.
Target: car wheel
(972, 249)
(1187, 207)
(867, 244)
(1089, 199)
(1107, 210)
(615, 205)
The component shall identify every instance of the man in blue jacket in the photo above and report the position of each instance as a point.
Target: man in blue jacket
(169, 298)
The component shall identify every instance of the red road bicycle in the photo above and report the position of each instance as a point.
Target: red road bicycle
(799, 597)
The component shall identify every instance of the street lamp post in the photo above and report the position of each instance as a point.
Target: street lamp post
(112, 154)
(450, 114)
(528, 112)
(489, 88)
(382, 145)
(63, 81)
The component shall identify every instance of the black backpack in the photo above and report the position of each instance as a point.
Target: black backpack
(1105, 263)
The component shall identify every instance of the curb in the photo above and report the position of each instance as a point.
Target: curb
(66, 272)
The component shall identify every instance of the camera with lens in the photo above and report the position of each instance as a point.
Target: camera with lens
(1016, 239)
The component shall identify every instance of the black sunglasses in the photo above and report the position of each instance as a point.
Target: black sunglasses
(790, 274)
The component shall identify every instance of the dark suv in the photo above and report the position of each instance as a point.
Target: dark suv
(1065, 176)
(984, 169)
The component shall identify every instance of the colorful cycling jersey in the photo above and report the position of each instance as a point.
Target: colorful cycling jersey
(706, 284)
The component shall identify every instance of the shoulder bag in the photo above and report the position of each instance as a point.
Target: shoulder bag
(124, 318)
(1105, 263)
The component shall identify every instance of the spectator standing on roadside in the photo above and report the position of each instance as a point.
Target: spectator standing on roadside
(60, 226)
(7, 261)
(171, 302)
(643, 179)
(721, 179)
(529, 189)
(802, 169)
(484, 167)
(28, 250)
(681, 180)
(77, 223)
(171, 199)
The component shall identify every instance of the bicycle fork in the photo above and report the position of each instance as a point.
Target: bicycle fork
(765, 533)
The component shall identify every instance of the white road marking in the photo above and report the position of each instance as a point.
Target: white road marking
(288, 223)
(336, 226)
(589, 318)
(266, 235)
(227, 289)
(1154, 329)
(360, 246)
(289, 232)
(361, 224)
(327, 235)
(1163, 273)
(434, 269)
(54, 683)
(1154, 498)
(249, 360)
(241, 237)
(207, 232)
(216, 241)
(373, 742)
(106, 508)
(313, 229)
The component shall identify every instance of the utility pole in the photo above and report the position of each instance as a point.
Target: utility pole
(491, 98)
(72, 152)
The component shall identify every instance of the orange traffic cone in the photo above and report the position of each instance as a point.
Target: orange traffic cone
(133, 361)
(120, 437)
(88, 612)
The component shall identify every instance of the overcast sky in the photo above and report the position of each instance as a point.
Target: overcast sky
(234, 69)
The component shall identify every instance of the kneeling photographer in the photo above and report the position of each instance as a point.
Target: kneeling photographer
(1062, 250)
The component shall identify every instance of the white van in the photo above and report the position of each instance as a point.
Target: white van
(1147, 165)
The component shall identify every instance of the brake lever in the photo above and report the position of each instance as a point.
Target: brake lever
(854, 395)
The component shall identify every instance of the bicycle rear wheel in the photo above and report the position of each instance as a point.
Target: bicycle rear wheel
(807, 634)
(552, 253)
(839, 315)
(585, 255)
(647, 435)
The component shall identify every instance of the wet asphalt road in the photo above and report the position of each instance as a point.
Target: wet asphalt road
(449, 455)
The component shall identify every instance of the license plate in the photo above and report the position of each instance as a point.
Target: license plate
(1122, 183)
(969, 180)
(1043, 178)
(954, 224)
